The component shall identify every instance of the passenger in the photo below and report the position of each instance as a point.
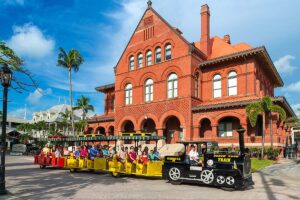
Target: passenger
(139, 150)
(122, 155)
(77, 152)
(105, 151)
(126, 150)
(151, 155)
(53, 150)
(194, 156)
(46, 150)
(146, 149)
(156, 154)
(84, 151)
(93, 152)
(112, 152)
(66, 152)
(58, 152)
(132, 155)
(144, 158)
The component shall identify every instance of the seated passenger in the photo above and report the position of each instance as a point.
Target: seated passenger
(112, 152)
(144, 158)
(66, 152)
(58, 152)
(105, 151)
(122, 155)
(139, 150)
(77, 152)
(151, 155)
(156, 154)
(84, 151)
(132, 155)
(46, 150)
(93, 152)
(194, 156)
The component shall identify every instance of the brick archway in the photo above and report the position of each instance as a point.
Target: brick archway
(124, 119)
(100, 130)
(142, 118)
(239, 116)
(166, 115)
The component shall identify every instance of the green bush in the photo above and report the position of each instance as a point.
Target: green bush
(272, 154)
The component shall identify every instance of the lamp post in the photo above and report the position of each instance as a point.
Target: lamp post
(6, 75)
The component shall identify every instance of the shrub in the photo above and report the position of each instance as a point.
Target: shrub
(272, 154)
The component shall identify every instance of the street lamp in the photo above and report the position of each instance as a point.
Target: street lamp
(6, 75)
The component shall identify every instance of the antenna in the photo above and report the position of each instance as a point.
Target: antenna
(25, 114)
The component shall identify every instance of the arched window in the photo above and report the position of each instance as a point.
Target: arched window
(168, 52)
(131, 63)
(232, 83)
(172, 85)
(158, 55)
(217, 86)
(196, 85)
(140, 60)
(128, 94)
(149, 58)
(149, 90)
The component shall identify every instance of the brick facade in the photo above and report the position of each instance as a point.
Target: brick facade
(194, 113)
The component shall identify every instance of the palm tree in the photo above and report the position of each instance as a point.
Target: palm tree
(70, 60)
(263, 107)
(65, 118)
(83, 104)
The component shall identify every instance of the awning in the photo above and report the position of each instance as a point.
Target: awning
(102, 138)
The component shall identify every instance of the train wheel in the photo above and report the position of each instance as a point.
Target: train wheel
(115, 174)
(220, 180)
(207, 176)
(230, 180)
(42, 166)
(174, 175)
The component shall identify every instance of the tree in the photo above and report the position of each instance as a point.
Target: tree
(80, 126)
(65, 119)
(264, 107)
(9, 57)
(83, 104)
(70, 60)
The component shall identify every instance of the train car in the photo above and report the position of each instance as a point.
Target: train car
(219, 168)
(50, 160)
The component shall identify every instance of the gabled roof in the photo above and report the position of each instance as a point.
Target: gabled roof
(104, 88)
(175, 30)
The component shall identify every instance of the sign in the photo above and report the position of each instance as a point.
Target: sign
(21, 148)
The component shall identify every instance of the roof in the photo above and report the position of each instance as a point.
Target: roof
(102, 118)
(104, 88)
(277, 100)
(261, 51)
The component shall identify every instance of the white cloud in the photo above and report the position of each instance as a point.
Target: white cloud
(20, 113)
(29, 41)
(283, 64)
(293, 87)
(35, 96)
(12, 2)
(295, 108)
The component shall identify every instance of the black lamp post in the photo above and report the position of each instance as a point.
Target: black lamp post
(6, 75)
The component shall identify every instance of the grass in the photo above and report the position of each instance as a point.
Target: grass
(260, 164)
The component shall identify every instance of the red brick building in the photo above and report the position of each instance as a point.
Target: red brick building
(184, 90)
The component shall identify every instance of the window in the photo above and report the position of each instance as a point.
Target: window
(131, 63)
(128, 94)
(140, 60)
(149, 90)
(225, 129)
(158, 55)
(149, 58)
(168, 52)
(196, 86)
(232, 83)
(172, 85)
(217, 86)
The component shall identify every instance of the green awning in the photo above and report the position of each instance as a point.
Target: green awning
(102, 138)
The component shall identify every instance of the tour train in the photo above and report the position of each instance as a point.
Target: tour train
(219, 168)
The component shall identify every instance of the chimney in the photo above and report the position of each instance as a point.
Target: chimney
(227, 39)
(205, 30)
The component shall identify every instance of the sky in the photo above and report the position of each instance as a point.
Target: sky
(100, 30)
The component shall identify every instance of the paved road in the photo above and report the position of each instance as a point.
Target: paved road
(27, 181)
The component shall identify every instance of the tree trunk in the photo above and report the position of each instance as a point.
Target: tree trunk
(71, 102)
(263, 135)
(271, 129)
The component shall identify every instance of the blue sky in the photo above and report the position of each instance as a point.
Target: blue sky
(100, 29)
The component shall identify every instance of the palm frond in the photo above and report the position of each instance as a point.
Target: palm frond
(279, 110)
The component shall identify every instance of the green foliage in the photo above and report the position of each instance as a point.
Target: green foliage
(70, 60)
(272, 154)
(8, 56)
(279, 110)
(253, 110)
(83, 104)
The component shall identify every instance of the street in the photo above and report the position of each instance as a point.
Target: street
(26, 181)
